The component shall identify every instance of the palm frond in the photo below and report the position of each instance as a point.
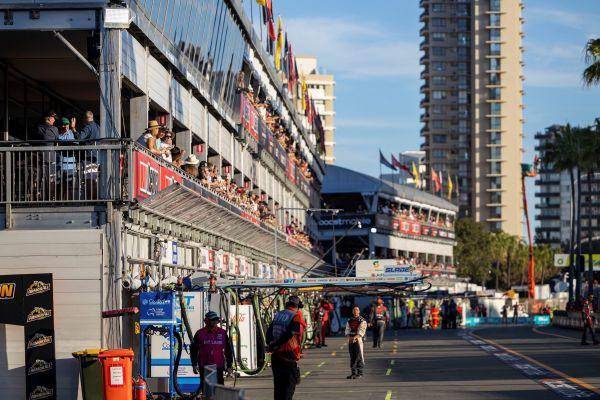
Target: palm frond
(591, 75)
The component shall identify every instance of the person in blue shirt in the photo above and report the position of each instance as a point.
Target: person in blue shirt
(67, 161)
(90, 131)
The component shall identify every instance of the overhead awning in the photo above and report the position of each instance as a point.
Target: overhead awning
(187, 207)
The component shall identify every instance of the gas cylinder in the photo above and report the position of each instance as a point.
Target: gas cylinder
(139, 388)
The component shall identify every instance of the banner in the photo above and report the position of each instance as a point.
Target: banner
(563, 260)
(346, 221)
(28, 300)
(250, 118)
(382, 268)
(150, 176)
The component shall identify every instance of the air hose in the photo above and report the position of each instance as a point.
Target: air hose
(179, 339)
(261, 340)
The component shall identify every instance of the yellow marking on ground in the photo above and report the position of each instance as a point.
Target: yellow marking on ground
(388, 395)
(307, 373)
(541, 364)
(392, 362)
(321, 364)
(552, 334)
(333, 353)
(342, 347)
(388, 372)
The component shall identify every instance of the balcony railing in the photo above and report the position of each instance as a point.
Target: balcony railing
(414, 229)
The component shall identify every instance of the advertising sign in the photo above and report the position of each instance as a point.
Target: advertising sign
(346, 221)
(250, 117)
(563, 260)
(150, 176)
(382, 268)
(27, 300)
(160, 346)
(247, 334)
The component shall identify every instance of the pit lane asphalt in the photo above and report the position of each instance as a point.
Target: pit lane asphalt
(416, 364)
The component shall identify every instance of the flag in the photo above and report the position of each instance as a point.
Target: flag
(261, 2)
(415, 174)
(383, 161)
(395, 163)
(270, 21)
(435, 179)
(303, 93)
(279, 45)
(450, 187)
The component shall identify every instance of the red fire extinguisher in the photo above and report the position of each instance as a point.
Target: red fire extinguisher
(139, 388)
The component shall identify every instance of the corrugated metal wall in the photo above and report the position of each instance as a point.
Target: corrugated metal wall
(75, 259)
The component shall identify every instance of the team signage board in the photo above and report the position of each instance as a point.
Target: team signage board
(247, 336)
(27, 300)
(346, 221)
(382, 268)
(151, 176)
(563, 260)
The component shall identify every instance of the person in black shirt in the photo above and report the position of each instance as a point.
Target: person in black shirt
(47, 130)
(90, 131)
(356, 328)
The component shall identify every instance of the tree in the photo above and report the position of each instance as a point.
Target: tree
(472, 252)
(544, 260)
(591, 75)
(590, 164)
(562, 154)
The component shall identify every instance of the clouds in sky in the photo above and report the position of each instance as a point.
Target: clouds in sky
(355, 50)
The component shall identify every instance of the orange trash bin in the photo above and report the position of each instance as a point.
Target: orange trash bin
(117, 374)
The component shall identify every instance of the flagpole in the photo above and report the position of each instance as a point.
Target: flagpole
(380, 173)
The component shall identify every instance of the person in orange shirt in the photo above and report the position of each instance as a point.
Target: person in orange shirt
(379, 320)
(284, 338)
(435, 317)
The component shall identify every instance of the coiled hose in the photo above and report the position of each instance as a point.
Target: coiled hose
(233, 328)
(179, 339)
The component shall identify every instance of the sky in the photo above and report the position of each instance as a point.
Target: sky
(373, 51)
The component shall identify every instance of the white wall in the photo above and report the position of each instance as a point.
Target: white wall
(74, 257)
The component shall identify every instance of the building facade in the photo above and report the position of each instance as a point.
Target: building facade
(111, 214)
(402, 177)
(321, 88)
(472, 104)
(553, 193)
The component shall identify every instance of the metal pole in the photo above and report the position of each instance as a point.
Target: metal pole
(531, 269)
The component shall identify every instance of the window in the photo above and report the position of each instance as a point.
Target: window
(495, 5)
(495, 167)
(462, 39)
(437, 109)
(494, 78)
(495, 123)
(496, 182)
(463, 97)
(494, 94)
(437, 124)
(495, 138)
(495, 153)
(437, 7)
(495, 109)
(439, 66)
(438, 37)
(463, 52)
(496, 212)
(495, 49)
(438, 22)
(494, 19)
(463, 126)
(494, 35)
(437, 153)
(439, 80)
(438, 51)
(495, 226)
(462, 24)
(463, 82)
(439, 94)
(462, 10)
(440, 139)
(494, 64)
(463, 67)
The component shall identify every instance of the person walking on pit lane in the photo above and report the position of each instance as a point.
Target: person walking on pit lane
(322, 319)
(284, 338)
(211, 346)
(587, 314)
(379, 319)
(356, 328)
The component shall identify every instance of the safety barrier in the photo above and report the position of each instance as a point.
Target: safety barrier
(532, 320)
(571, 320)
(214, 391)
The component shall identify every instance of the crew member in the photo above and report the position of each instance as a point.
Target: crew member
(284, 338)
(356, 328)
(211, 346)
(323, 312)
(379, 318)
(435, 317)
(516, 313)
(504, 314)
(587, 314)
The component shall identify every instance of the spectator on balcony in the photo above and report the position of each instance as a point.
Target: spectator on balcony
(67, 161)
(47, 130)
(178, 157)
(65, 133)
(191, 165)
(166, 142)
(152, 138)
(90, 131)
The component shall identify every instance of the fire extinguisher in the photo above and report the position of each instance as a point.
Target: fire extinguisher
(139, 388)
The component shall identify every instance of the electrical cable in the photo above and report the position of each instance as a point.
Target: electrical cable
(180, 341)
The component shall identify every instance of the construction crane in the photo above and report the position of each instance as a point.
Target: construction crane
(529, 171)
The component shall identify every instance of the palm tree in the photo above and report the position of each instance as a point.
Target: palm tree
(590, 164)
(499, 250)
(591, 75)
(562, 154)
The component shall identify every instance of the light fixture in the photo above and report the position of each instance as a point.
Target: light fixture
(373, 230)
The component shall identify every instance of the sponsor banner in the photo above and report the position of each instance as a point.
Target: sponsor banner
(157, 307)
(247, 335)
(563, 260)
(382, 268)
(249, 117)
(345, 221)
(411, 228)
(150, 176)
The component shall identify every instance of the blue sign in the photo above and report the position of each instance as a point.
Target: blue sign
(541, 320)
(158, 308)
(399, 269)
(174, 252)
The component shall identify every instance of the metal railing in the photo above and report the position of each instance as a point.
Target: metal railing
(41, 172)
(213, 391)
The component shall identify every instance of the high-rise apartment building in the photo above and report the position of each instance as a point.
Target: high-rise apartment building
(321, 89)
(472, 104)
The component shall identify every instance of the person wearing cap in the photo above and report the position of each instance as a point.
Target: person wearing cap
(65, 132)
(191, 165)
(284, 338)
(379, 319)
(152, 138)
(47, 130)
(211, 346)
